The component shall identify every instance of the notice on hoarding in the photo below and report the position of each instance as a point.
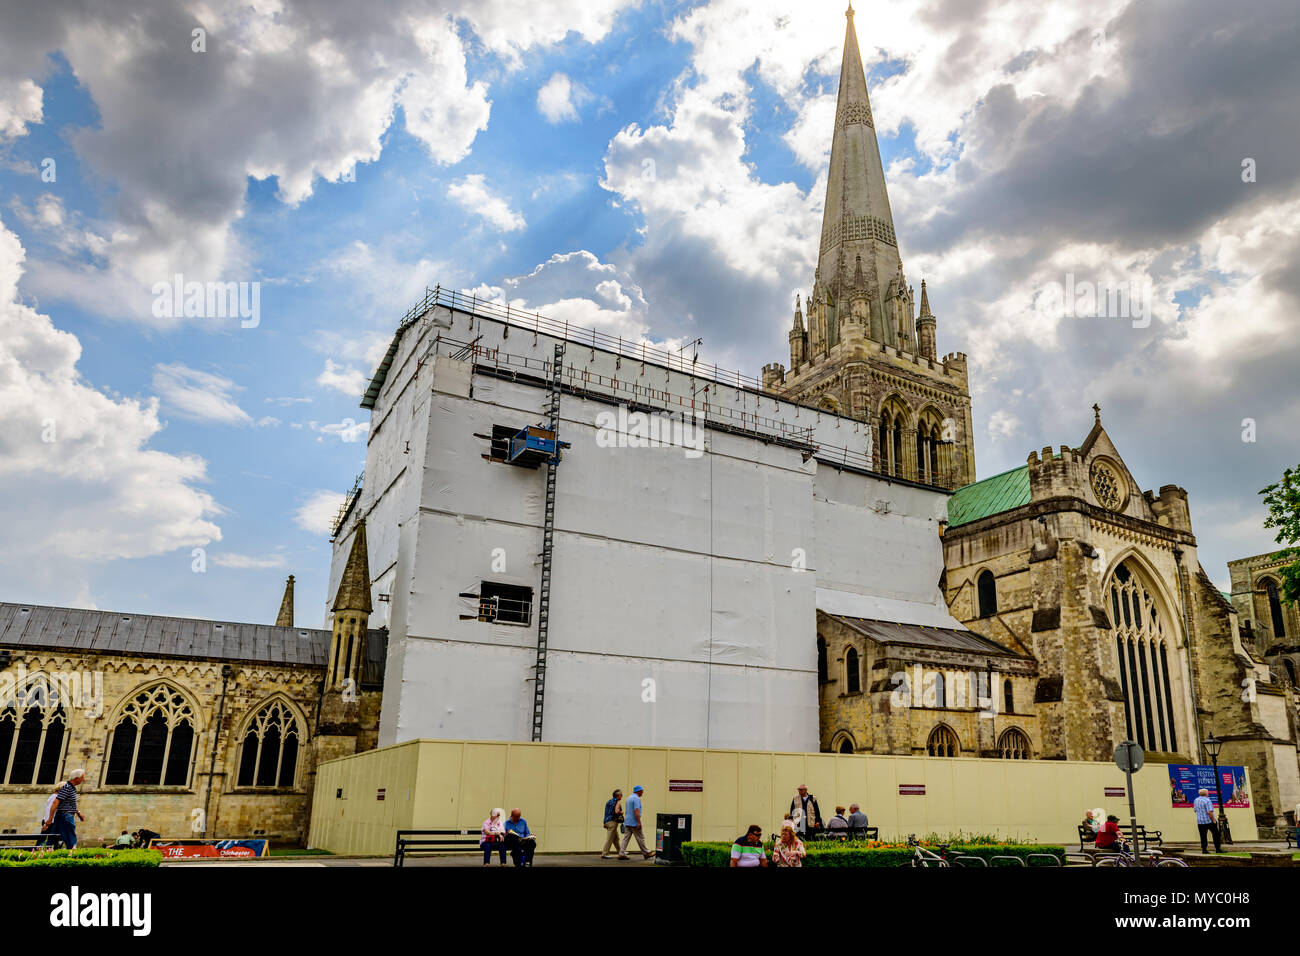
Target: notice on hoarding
(1186, 779)
(210, 849)
(686, 786)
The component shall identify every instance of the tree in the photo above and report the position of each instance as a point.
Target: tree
(1283, 500)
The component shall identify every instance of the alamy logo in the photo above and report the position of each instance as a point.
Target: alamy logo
(177, 299)
(624, 429)
(74, 909)
(1081, 299)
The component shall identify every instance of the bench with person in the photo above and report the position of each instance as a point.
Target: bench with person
(1088, 837)
(424, 842)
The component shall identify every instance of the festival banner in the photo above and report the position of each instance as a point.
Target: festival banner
(1186, 779)
(210, 849)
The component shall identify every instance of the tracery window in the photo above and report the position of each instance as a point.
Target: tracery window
(943, 743)
(32, 735)
(1013, 745)
(1144, 662)
(1107, 485)
(153, 740)
(269, 755)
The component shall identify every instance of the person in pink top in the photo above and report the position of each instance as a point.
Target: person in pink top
(494, 836)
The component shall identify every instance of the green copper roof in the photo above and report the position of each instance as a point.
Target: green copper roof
(989, 497)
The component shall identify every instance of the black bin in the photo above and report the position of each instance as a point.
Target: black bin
(671, 831)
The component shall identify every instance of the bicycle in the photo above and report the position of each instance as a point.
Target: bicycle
(1125, 858)
(923, 857)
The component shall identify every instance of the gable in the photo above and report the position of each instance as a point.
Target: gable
(1105, 472)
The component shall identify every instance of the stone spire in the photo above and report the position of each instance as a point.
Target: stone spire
(354, 587)
(285, 617)
(925, 328)
(857, 220)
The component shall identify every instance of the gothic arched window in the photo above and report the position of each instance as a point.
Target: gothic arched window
(153, 740)
(1275, 609)
(940, 691)
(1013, 745)
(269, 756)
(1008, 699)
(1144, 661)
(942, 743)
(853, 670)
(32, 725)
(822, 673)
(987, 587)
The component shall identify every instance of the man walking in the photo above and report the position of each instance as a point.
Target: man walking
(1204, 808)
(63, 812)
(632, 826)
(804, 810)
(613, 817)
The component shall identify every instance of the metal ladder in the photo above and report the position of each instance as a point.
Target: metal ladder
(548, 540)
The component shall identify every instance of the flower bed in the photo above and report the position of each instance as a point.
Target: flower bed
(868, 853)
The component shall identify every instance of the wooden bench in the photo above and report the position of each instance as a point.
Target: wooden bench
(1145, 837)
(423, 842)
(30, 841)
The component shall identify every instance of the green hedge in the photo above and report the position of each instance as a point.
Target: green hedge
(840, 854)
(90, 857)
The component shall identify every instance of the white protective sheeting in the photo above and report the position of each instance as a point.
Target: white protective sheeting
(877, 608)
(685, 585)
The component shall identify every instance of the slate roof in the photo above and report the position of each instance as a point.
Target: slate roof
(989, 497)
(111, 632)
(917, 635)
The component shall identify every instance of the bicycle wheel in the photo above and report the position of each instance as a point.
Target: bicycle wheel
(1182, 863)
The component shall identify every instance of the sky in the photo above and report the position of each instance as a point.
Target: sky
(652, 169)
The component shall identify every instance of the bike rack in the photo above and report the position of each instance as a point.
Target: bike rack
(1012, 861)
(967, 860)
(1052, 859)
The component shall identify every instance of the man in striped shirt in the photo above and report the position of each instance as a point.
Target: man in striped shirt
(747, 851)
(63, 810)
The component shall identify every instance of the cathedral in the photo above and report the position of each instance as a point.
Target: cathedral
(802, 562)
(1090, 619)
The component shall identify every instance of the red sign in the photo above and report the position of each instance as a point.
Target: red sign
(219, 849)
(379, 794)
(687, 786)
(911, 790)
(1115, 791)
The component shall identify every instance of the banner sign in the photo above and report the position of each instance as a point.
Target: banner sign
(1186, 779)
(210, 849)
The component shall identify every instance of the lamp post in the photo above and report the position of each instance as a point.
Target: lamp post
(1212, 746)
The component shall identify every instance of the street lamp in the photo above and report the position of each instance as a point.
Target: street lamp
(1212, 746)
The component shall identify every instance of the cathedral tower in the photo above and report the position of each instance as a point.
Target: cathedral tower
(857, 346)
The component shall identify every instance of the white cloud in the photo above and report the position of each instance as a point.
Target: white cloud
(560, 98)
(296, 91)
(347, 431)
(473, 195)
(228, 559)
(199, 396)
(343, 378)
(77, 478)
(319, 511)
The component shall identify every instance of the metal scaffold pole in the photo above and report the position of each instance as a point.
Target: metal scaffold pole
(548, 540)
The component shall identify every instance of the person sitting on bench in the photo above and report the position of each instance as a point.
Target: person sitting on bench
(1108, 837)
(519, 839)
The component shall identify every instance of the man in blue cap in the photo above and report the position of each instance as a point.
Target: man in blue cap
(632, 825)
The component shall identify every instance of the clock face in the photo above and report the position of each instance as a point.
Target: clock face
(1107, 485)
